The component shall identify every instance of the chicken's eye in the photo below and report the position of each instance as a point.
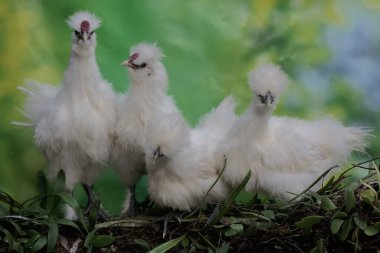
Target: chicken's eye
(140, 66)
(78, 34)
(271, 99)
(91, 33)
(262, 98)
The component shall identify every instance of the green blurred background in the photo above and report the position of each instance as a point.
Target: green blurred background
(330, 50)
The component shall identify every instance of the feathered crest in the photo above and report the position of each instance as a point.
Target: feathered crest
(83, 20)
(267, 77)
(146, 51)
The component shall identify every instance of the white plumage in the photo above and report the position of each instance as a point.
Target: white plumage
(285, 155)
(73, 124)
(188, 159)
(146, 98)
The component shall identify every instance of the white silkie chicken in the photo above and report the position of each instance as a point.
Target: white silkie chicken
(285, 155)
(183, 163)
(73, 124)
(147, 97)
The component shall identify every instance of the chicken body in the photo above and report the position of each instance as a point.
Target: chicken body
(146, 98)
(189, 160)
(73, 124)
(285, 155)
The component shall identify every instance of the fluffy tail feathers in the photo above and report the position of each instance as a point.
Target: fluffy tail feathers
(358, 138)
(39, 98)
(338, 141)
(220, 119)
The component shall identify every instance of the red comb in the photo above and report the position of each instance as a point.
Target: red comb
(85, 26)
(134, 56)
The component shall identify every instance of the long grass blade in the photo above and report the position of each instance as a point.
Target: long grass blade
(230, 200)
(167, 245)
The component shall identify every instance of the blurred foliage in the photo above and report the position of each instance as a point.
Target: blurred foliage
(341, 216)
(210, 46)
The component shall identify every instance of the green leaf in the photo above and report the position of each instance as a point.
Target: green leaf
(60, 182)
(100, 241)
(234, 230)
(52, 236)
(327, 204)
(69, 223)
(230, 232)
(39, 244)
(340, 214)
(319, 248)
(335, 225)
(346, 227)
(307, 222)
(230, 200)
(167, 245)
(9, 238)
(327, 185)
(142, 242)
(268, 213)
(185, 242)
(17, 227)
(350, 200)
(263, 225)
(367, 196)
(89, 238)
(371, 230)
(362, 224)
(355, 234)
(17, 247)
(42, 187)
(353, 186)
(224, 249)
(317, 197)
(237, 227)
(3, 211)
(71, 201)
(32, 240)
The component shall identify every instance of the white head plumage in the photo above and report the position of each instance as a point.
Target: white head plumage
(266, 78)
(147, 52)
(83, 21)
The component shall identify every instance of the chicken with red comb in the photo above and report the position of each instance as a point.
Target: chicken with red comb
(73, 124)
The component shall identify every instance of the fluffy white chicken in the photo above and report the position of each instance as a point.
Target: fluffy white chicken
(285, 155)
(183, 163)
(145, 99)
(73, 124)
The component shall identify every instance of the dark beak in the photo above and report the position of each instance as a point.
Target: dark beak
(157, 154)
(268, 98)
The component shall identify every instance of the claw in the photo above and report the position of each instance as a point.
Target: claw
(170, 215)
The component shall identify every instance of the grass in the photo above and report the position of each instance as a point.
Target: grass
(340, 217)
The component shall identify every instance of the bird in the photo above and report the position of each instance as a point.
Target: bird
(285, 155)
(73, 124)
(183, 163)
(146, 98)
